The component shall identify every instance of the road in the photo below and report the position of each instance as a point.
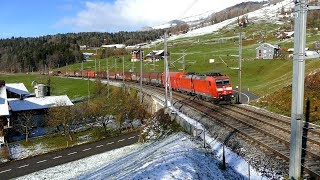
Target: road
(26, 166)
(246, 96)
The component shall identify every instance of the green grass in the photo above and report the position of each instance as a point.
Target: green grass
(58, 141)
(74, 88)
(259, 76)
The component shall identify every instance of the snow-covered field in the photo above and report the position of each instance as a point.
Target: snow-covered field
(177, 157)
(268, 13)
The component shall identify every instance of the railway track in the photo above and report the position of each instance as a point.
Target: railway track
(269, 131)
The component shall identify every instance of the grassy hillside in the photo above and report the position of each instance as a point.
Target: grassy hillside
(259, 76)
(280, 101)
(266, 78)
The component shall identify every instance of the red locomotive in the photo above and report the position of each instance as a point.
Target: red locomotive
(211, 87)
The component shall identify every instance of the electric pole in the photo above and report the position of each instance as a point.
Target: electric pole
(99, 65)
(82, 69)
(239, 71)
(165, 71)
(123, 71)
(108, 83)
(95, 67)
(67, 69)
(88, 89)
(115, 66)
(141, 97)
(183, 61)
(298, 88)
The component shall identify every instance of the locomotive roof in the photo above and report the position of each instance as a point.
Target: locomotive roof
(200, 76)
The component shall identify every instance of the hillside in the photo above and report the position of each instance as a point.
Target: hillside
(267, 78)
(280, 101)
(19, 54)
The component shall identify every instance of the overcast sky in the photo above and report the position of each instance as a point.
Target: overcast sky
(42, 17)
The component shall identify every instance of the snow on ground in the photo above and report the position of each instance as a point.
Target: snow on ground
(268, 13)
(177, 157)
(18, 151)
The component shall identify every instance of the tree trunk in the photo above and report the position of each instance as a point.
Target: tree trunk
(27, 133)
(70, 135)
(105, 127)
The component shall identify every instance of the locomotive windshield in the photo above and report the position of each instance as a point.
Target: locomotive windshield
(223, 82)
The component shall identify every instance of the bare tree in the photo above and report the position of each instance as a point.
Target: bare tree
(25, 122)
(66, 116)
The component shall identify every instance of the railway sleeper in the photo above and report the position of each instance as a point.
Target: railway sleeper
(312, 165)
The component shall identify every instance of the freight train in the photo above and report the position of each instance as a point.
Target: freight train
(213, 87)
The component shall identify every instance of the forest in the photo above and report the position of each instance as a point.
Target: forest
(20, 54)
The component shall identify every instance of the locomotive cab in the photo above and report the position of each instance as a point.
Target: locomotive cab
(224, 89)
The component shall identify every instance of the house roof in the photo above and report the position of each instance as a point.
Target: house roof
(155, 52)
(275, 46)
(33, 103)
(4, 109)
(88, 54)
(289, 34)
(136, 51)
(17, 88)
(159, 52)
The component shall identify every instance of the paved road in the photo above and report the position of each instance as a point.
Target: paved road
(246, 96)
(26, 166)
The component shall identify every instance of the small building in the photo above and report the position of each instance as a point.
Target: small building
(267, 51)
(155, 55)
(4, 110)
(16, 100)
(83, 47)
(135, 55)
(87, 55)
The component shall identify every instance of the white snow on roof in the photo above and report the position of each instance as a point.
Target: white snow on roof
(275, 46)
(17, 88)
(4, 109)
(88, 54)
(38, 102)
(289, 33)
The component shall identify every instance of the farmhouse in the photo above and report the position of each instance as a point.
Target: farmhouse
(83, 47)
(267, 51)
(17, 102)
(87, 55)
(135, 55)
(155, 55)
